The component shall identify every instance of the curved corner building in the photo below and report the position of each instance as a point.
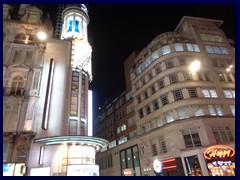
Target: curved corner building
(51, 127)
(185, 116)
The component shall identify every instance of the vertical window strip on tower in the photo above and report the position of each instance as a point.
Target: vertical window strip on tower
(48, 95)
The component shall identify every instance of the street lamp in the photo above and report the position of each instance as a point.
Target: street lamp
(195, 65)
(42, 35)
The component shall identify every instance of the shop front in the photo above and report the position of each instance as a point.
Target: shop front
(220, 160)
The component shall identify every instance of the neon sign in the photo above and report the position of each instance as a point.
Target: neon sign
(219, 151)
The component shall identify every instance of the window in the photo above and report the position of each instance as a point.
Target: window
(229, 93)
(5, 151)
(182, 113)
(221, 77)
(155, 104)
(143, 80)
(198, 110)
(9, 118)
(219, 110)
(212, 111)
(141, 68)
(139, 99)
(177, 94)
(204, 37)
(207, 93)
(166, 50)
(232, 107)
(146, 94)
(187, 75)
(216, 50)
(155, 55)
(17, 86)
(191, 137)
(150, 76)
(164, 99)
(189, 47)
(222, 134)
(223, 50)
(72, 127)
(192, 92)
(163, 146)
(228, 78)
(140, 113)
(153, 148)
(158, 68)
(178, 46)
(215, 110)
(169, 63)
(148, 109)
(159, 121)
(182, 61)
(169, 117)
(148, 62)
(151, 125)
(153, 90)
(196, 48)
(173, 78)
(161, 83)
(209, 49)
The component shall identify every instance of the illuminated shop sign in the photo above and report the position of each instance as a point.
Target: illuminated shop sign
(8, 169)
(157, 166)
(219, 151)
(83, 170)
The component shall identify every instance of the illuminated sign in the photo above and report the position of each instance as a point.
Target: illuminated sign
(157, 166)
(219, 151)
(45, 171)
(8, 169)
(127, 172)
(83, 170)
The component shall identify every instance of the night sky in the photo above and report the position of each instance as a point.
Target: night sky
(115, 31)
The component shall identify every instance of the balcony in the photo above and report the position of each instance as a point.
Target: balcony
(12, 91)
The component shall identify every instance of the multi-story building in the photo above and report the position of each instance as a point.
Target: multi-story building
(47, 128)
(185, 114)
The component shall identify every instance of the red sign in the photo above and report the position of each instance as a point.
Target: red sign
(219, 151)
(127, 172)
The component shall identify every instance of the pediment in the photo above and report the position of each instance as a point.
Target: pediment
(19, 66)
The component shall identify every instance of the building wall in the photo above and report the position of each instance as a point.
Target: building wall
(167, 58)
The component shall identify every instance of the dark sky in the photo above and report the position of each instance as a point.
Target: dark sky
(115, 31)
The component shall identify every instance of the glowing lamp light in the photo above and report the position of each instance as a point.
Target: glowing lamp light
(228, 69)
(195, 66)
(42, 35)
(231, 66)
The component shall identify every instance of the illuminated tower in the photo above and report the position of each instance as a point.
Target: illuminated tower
(64, 144)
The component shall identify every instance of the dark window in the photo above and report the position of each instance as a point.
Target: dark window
(177, 95)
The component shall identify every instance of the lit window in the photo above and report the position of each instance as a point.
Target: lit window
(178, 46)
(189, 47)
(148, 62)
(155, 55)
(232, 107)
(216, 50)
(198, 110)
(223, 50)
(212, 111)
(229, 93)
(196, 48)
(166, 49)
(209, 93)
(219, 110)
(209, 49)
(159, 121)
(169, 117)
(182, 113)
(151, 125)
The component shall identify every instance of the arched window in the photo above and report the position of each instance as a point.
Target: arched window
(17, 86)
